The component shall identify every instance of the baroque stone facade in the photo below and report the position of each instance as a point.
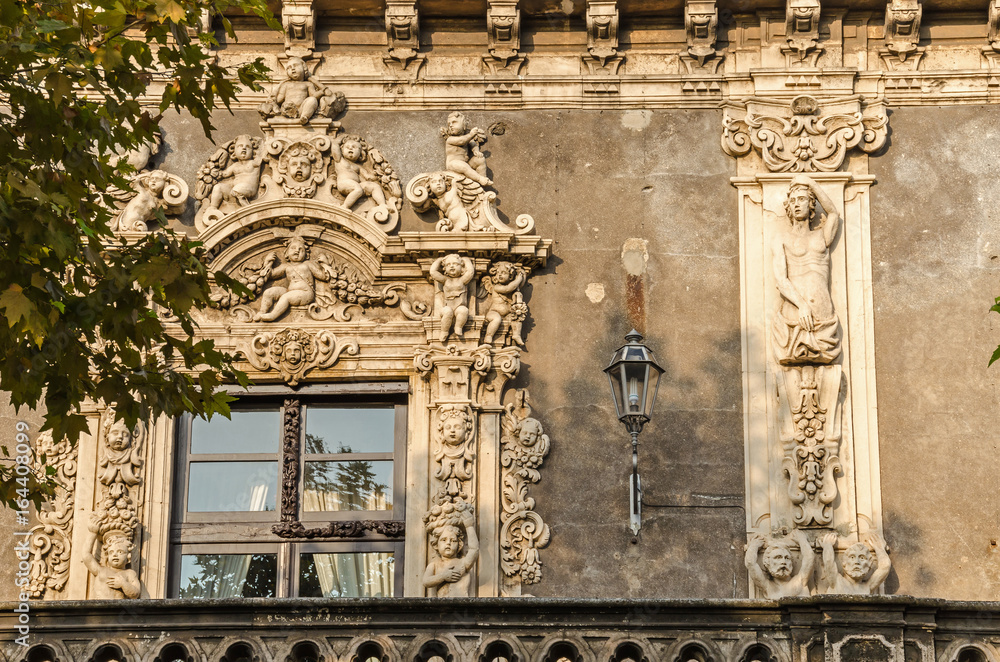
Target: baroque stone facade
(779, 199)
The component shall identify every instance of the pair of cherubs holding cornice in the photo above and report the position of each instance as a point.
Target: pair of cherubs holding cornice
(300, 98)
(865, 564)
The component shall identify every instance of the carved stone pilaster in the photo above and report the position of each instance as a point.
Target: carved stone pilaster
(51, 539)
(993, 25)
(115, 520)
(802, 32)
(522, 531)
(298, 18)
(402, 27)
(902, 34)
(812, 436)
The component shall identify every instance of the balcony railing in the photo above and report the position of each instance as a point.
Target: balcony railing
(879, 629)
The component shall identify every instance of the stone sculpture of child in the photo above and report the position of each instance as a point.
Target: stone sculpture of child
(448, 575)
(113, 581)
(353, 181)
(302, 275)
(461, 150)
(452, 274)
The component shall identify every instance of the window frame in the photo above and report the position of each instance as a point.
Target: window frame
(249, 532)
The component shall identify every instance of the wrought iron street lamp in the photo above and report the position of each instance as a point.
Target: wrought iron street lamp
(634, 378)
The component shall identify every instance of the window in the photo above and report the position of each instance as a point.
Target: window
(297, 495)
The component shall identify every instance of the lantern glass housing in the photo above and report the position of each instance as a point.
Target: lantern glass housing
(634, 377)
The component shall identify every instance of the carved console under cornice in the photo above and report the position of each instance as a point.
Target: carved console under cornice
(808, 340)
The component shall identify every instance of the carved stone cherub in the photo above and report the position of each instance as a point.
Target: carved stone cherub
(858, 577)
(148, 188)
(503, 282)
(113, 581)
(231, 177)
(298, 97)
(354, 180)
(452, 275)
(776, 578)
(447, 574)
(454, 197)
(462, 149)
(302, 274)
(453, 453)
(122, 457)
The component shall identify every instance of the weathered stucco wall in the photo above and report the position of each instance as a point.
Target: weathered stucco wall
(935, 248)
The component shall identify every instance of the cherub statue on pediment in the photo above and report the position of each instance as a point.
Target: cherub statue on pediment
(300, 98)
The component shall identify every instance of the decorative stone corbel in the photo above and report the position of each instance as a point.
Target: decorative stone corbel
(503, 34)
(402, 27)
(298, 18)
(602, 37)
(294, 352)
(902, 34)
(806, 135)
(802, 32)
(701, 23)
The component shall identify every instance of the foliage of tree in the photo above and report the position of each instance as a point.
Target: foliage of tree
(996, 353)
(82, 313)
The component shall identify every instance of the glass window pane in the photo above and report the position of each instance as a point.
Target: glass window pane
(232, 486)
(355, 485)
(360, 575)
(228, 575)
(362, 429)
(247, 432)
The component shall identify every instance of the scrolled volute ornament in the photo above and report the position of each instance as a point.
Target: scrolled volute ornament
(806, 136)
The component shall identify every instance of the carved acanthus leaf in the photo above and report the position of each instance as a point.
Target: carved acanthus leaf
(522, 530)
(343, 529)
(804, 138)
(293, 352)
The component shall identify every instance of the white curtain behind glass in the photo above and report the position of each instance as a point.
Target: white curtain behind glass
(233, 568)
(359, 575)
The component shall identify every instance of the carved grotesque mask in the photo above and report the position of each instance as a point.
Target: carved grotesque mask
(300, 167)
(858, 561)
(292, 353)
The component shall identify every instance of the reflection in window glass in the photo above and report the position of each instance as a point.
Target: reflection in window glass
(361, 575)
(350, 429)
(228, 575)
(354, 485)
(232, 486)
(247, 432)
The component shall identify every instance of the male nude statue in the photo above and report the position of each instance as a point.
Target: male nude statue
(775, 579)
(805, 330)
